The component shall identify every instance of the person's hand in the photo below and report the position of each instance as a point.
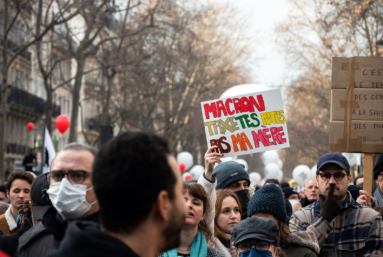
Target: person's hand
(363, 198)
(331, 206)
(232, 249)
(211, 158)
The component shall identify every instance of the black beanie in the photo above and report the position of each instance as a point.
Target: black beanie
(378, 167)
(229, 172)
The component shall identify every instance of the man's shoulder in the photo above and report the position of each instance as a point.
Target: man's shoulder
(367, 213)
(34, 234)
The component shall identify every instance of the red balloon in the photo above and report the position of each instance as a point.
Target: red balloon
(30, 126)
(182, 166)
(62, 123)
(187, 177)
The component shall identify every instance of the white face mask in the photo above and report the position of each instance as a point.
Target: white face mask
(69, 200)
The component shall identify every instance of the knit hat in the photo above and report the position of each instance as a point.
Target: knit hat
(229, 172)
(378, 167)
(289, 191)
(268, 199)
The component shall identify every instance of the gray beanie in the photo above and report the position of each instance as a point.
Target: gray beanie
(229, 172)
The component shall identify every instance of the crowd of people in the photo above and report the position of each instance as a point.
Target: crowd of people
(129, 199)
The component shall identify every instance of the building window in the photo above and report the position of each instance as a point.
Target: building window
(36, 91)
(43, 95)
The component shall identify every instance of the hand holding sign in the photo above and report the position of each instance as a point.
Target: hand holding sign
(211, 158)
(246, 124)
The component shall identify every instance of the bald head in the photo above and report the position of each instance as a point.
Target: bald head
(312, 190)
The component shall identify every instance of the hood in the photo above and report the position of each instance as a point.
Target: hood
(84, 238)
(305, 239)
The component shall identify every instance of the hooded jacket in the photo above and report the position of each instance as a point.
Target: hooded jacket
(85, 239)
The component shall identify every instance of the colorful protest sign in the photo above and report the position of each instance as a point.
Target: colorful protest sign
(246, 124)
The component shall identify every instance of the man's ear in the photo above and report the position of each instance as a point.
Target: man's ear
(7, 194)
(163, 205)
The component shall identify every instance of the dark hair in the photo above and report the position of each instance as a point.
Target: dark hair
(221, 195)
(197, 191)
(273, 181)
(379, 209)
(130, 171)
(358, 177)
(3, 189)
(23, 175)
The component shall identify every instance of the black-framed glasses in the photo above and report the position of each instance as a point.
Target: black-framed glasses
(74, 176)
(337, 176)
(260, 246)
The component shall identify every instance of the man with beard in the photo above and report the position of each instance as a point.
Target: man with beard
(232, 176)
(140, 193)
(342, 226)
(311, 191)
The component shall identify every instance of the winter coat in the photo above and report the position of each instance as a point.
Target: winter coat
(46, 235)
(8, 244)
(209, 187)
(306, 202)
(356, 231)
(85, 239)
(7, 223)
(302, 243)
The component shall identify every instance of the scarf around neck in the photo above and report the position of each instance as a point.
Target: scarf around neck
(198, 249)
(378, 197)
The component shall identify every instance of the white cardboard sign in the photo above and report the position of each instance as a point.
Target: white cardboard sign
(247, 123)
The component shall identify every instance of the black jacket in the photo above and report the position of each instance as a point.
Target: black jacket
(85, 239)
(8, 244)
(306, 202)
(46, 235)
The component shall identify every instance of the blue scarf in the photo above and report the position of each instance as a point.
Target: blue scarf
(198, 249)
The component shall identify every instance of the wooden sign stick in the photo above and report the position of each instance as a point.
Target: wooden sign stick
(367, 174)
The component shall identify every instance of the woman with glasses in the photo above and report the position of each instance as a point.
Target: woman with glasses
(268, 202)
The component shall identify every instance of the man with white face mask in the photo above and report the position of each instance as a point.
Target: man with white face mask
(72, 196)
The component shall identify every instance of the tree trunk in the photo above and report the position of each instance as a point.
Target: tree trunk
(4, 70)
(76, 99)
(49, 107)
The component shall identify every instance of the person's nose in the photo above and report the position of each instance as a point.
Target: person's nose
(242, 187)
(22, 194)
(189, 204)
(332, 180)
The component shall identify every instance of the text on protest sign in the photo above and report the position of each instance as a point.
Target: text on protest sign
(246, 124)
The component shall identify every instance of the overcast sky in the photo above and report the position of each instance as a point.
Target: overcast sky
(270, 69)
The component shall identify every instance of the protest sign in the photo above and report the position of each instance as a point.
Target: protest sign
(356, 120)
(246, 124)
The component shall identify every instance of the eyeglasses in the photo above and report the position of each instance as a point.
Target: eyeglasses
(337, 176)
(260, 246)
(74, 176)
